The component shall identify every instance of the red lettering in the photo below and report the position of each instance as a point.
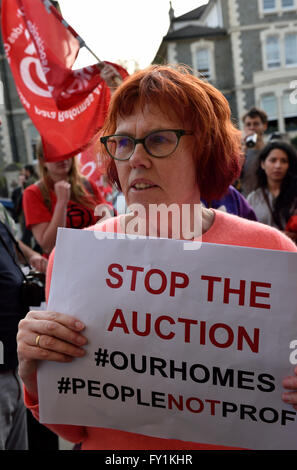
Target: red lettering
(157, 327)
(135, 329)
(179, 405)
(118, 315)
(189, 405)
(240, 291)
(187, 323)
(212, 406)
(253, 344)
(211, 280)
(255, 293)
(115, 275)
(135, 270)
(213, 340)
(163, 283)
(174, 284)
(202, 332)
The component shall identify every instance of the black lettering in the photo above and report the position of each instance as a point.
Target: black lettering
(223, 380)
(158, 397)
(270, 386)
(133, 364)
(174, 369)
(249, 411)
(205, 371)
(159, 367)
(262, 416)
(241, 379)
(124, 358)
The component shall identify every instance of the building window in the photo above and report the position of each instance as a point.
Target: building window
(268, 103)
(272, 52)
(203, 59)
(291, 49)
(287, 4)
(276, 6)
(289, 112)
(279, 50)
(269, 5)
(203, 63)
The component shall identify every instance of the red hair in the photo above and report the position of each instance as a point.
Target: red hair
(199, 106)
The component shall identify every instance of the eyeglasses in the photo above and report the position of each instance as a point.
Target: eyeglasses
(158, 144)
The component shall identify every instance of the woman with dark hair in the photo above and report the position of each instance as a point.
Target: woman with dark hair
(275, 196)
(167, 139)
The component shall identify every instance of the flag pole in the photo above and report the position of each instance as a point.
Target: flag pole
(57, 13)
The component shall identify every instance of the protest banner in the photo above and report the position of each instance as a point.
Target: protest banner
(189, 345)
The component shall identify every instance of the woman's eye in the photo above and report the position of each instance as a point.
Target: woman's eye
(157, 139)
(124, 142)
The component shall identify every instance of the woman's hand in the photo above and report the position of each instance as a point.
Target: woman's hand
(38, 262)
(63, 191)
(110, 75)
(290, 383)
(47, 336)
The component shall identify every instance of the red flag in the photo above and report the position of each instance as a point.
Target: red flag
(90, 167)
(66, 106)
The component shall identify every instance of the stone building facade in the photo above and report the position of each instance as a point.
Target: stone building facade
(248, 50)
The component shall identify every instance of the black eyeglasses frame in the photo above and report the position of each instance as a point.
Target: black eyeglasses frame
(178, 132)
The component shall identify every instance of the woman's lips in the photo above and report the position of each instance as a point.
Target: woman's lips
(142, 185)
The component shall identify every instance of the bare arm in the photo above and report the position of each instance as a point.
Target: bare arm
(37, 261)
(45, 233)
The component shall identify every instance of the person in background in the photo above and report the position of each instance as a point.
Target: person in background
(274, 198)
(27, 177)
(233, 202)
(61, 198)
(13, 420)
(255, 123)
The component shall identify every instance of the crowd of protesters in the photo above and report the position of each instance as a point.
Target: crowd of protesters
(59, 196)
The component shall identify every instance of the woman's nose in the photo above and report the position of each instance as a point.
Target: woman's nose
(140, 157)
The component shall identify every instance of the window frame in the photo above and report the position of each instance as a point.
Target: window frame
(279, 8)
(199, 70)
(281, 34)
(279, 51)
(273, 117)
(200, 45)
(269, 10)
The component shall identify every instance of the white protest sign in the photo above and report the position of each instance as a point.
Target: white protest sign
(189, 345)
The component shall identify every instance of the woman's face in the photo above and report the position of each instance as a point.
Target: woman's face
(59, 170)
(276, 165)
(149, 180)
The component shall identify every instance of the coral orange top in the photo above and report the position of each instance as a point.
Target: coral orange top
(227, 229)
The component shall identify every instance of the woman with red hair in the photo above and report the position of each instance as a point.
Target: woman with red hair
(168, 139)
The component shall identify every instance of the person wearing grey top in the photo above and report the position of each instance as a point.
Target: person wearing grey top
(274, 198)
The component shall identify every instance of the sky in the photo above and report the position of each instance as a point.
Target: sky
(129, 30)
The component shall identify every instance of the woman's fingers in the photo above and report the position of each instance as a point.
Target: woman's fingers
(41, 354)
(52, 343)
(290, 384)
(58, 333)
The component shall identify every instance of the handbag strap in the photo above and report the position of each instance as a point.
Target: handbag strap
(9, 252)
